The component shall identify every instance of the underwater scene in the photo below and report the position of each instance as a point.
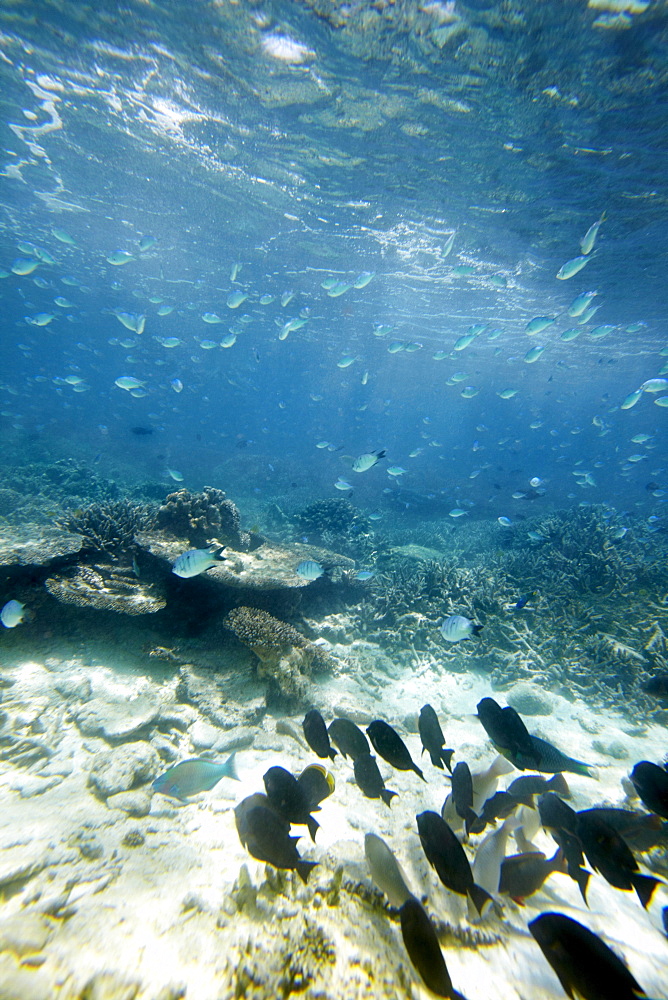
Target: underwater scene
(333, 482)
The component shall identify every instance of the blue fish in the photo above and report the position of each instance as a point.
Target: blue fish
(192, 776)
(524, 600)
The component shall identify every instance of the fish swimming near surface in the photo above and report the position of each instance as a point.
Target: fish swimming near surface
(12, 614)
(432, 738)
(585, 966)
(424, 950)
(386, 871)
(316, 735)
(651, 783)
(266, 836)
(289, 798)
(189, 777)
(349, 738)
(196, 561)
(387, 742)
(370, 780)
(456, 627)
(447, 857)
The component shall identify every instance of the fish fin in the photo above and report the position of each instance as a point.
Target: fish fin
(231, 768)
(304, 869)
(332, 753)
(418, 771)
(313, 827)
(446, 757)
(559, 785)
(435, 758)
(387, 795)
(518, 899)
(476, 630)
(470, 820)
(479, 897)
(644, 886)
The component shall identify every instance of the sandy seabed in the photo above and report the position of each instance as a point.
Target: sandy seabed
(99, 904)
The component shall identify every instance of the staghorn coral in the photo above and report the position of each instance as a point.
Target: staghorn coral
(202, 517)
(286, 657)
(105, 589)
(108, 527)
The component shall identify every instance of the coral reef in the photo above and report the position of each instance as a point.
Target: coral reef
(106, 589)
(203, 517)
(337, 524)
(35, 544)
(286, 657)
(108, 527)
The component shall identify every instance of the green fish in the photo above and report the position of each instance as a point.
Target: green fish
(571, 267)
(192, 776)
(538, 324)
(550, 760)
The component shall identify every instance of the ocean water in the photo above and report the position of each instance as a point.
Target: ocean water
(244, 245)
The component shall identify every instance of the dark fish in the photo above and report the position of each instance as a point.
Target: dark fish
(524, 874)
(141, 431)
(651, 783)
(370, 780)
(548, 759)
(657, 686)
(424, 950)
(349, 738)
(664, 920)
(562, 822)
(266, 835)
(506, 730)
(391, 747)
(584, 964)
(317, 785)
(432, 738)
(642, 831)
(524, 789)
(447, 857)
(610, 855)
(289, 798)
(315, 732)
(497, 806)
(524, 600)
(462, 794)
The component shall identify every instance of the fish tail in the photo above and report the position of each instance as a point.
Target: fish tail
(579, 767)
(231, 767)
(645, 885)
(476, 629)
(435, 758)
(332, 753)
(470, 820)
(313, 827)
(446, 756)
(304, 869)
(418, 771)
(387, 795)
(479, 897)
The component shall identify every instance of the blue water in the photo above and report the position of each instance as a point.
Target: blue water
(315, 141)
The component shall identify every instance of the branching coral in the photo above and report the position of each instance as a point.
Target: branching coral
(108, 527)
(285, 655)
(201, 517)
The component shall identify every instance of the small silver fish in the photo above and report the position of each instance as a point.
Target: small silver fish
(196, 561)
